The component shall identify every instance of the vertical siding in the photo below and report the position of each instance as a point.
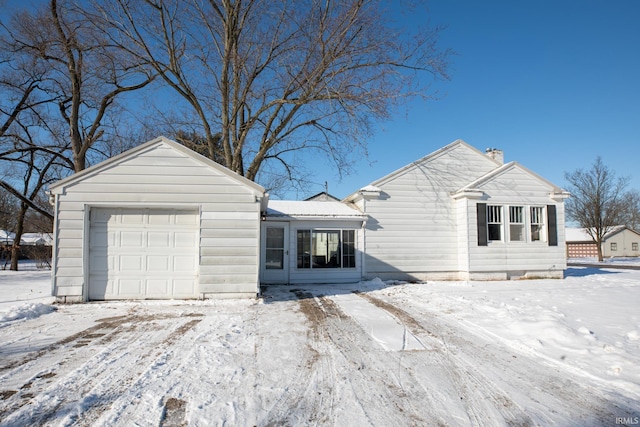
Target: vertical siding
(161, 177)
(413, 225)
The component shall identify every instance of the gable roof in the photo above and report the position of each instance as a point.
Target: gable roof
(430, 157)
(59, 186)
(416, 164)
(322, 197)
(475, 185)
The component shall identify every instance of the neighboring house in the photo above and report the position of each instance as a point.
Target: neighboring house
(462, 214)
(36, 239)
(161, 221)
(158, 221)
(621, 241)
(322, 197)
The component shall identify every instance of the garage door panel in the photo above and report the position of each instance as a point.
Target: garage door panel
(143, 253)
(132, 239)
(131, 264)
(130, 288)
(158, 287)
(158, 264)
(158, 239)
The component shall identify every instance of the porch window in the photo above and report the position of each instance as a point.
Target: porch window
(494, 222)
(348, 248)
(516, 223)
(537, 223)
(326, 249)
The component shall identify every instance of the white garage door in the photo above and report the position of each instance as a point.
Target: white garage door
(143, 253)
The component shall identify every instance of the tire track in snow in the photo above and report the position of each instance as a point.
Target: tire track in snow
(477, 370)
(108, 367)
(361, 372)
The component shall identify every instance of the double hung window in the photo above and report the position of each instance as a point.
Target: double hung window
(516, 224)
(537, 223)
(494, 222)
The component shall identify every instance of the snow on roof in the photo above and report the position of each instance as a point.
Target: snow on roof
(36, 239)
(581, 235)
(327, 209)
(370, 188)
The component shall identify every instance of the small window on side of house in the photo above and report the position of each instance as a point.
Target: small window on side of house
(516, 223)
(494, 222)
(537, 223)
(634, 246)
(614, 246)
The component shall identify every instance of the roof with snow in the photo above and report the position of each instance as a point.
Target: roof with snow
(312, 209)
(581, 235)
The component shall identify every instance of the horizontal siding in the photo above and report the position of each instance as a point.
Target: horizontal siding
(413, 225)
(164, 177)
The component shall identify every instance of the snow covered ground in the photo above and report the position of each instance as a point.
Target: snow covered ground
(532, 352)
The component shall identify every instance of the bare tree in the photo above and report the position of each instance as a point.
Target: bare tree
(269, 79)
(85, 74)
(599, 201)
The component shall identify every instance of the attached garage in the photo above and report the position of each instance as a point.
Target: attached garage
(156, 222)
(143, 254)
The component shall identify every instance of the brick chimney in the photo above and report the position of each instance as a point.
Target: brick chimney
(495, 154)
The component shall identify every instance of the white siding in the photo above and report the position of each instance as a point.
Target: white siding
(412, 227)
(513, 259)
(624, 244)
(162, 176)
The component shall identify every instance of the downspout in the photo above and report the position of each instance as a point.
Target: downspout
(55, 202)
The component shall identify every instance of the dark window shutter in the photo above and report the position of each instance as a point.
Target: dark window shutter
(552, 225)
(481, 209)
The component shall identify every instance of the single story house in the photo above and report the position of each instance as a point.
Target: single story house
(621, 241)
(161, 221)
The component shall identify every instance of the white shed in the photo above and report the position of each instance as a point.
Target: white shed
(159, 222)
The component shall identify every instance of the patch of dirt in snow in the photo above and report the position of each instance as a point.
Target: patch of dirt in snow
(93, 366)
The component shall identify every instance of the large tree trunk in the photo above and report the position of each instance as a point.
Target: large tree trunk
(599, 247)
(15, 249)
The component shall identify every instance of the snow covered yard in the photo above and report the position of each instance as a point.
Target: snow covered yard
(536, 352)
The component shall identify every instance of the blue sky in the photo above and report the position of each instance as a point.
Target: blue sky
(554, 84)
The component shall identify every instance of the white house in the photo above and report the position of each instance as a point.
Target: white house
(621, 241)
(158, 221)
(161, 221)
(459, 213)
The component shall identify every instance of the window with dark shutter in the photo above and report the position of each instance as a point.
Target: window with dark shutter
(481, 209)
(552, 227)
